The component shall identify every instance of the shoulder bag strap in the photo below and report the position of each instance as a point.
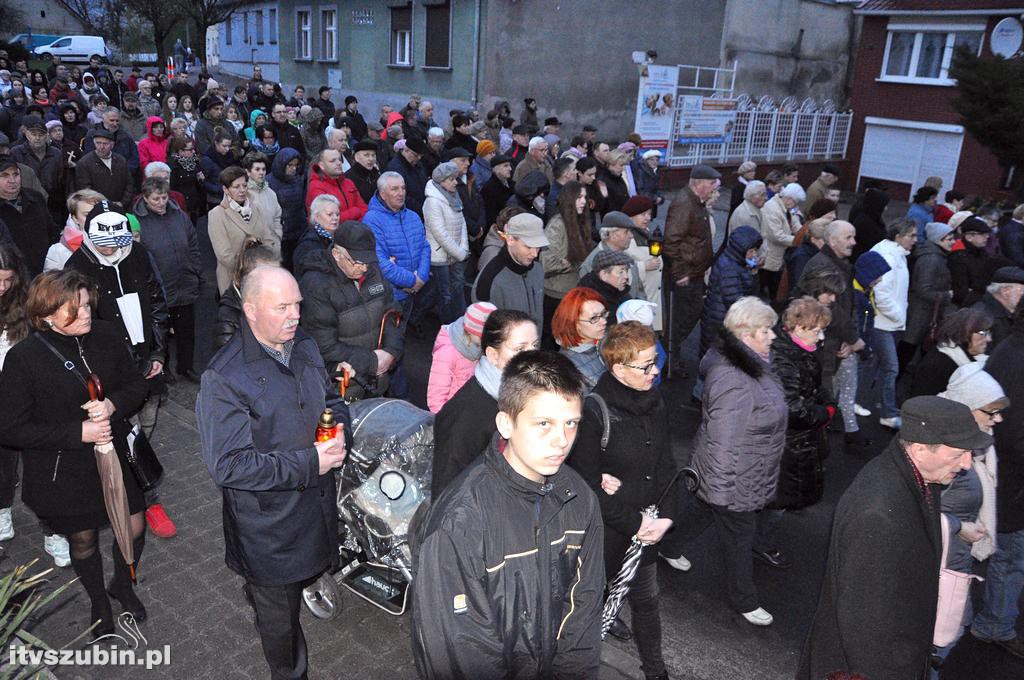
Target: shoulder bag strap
(606, 418)
(69, 365)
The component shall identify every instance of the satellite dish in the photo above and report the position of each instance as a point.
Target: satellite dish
(1007, 37)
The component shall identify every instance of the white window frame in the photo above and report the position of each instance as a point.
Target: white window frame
(919, 29)
(329, 34)
(272, 25)
(404, 38)
(303, 34)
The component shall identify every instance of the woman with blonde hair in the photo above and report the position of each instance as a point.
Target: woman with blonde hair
(79, 204)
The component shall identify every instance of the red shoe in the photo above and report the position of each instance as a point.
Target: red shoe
(158, 521)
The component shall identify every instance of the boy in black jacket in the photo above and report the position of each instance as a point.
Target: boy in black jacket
(511, 565)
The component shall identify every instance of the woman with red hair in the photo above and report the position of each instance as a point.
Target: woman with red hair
(578, 325)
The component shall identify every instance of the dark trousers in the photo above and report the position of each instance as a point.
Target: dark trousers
(183, 325)
(8, 476)
(770, 282)
(277, 619)
(736, 533)
(288, 251)
(687, 303)
(547, 340)
(643, 603)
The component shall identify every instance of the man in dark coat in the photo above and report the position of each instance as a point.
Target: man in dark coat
(364, 172)
(497, 189)
(356, 122)
(876, 611)
(288, 136)
(344, 302)
(996, 622)
(124, 145)
(408, 164)
(688, 254)
(1011, 237)
(105, 171)
(24, 213)
(258, 409)
(44, 158)
(971, 268)
(517, 527)
(1000, 301)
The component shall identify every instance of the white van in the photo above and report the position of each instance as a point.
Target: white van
(75, 48)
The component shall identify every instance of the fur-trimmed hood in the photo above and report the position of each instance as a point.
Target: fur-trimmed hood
(732, 350)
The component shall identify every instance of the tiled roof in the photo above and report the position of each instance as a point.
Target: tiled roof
(944, 6)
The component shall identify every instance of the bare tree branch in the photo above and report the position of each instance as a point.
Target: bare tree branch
(207, 13)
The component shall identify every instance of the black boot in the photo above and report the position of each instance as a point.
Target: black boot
(121, 587)
(90, 572)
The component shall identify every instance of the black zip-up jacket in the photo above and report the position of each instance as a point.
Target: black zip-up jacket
(510, 577)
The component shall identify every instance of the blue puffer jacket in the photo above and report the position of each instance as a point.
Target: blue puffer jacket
(730, 280)
(869, 267)
(400, 235)
(291, 194)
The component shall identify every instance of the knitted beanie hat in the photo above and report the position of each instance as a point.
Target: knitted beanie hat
(476, 317)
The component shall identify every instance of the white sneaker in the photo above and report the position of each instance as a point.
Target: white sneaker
(894, 423)
(680, 563)
(861, 411)
(6, 525)
(758, 617)
(57, 547)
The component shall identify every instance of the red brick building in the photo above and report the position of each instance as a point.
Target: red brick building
(905, 128)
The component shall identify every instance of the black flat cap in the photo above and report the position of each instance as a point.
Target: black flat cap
(1008, 275)
(934, 420)
(704, 172)
(357, 239)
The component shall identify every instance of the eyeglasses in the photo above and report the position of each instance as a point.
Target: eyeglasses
(993, 413)
(645, 369)
(597, 318)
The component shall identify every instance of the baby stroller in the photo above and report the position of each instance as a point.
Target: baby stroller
(383, 495)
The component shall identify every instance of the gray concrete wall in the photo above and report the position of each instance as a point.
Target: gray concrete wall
(764, 36)
(580, 68)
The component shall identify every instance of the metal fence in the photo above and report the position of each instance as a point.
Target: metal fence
(772, 136)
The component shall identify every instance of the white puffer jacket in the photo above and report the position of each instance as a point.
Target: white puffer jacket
(445, 226)
(891, 292)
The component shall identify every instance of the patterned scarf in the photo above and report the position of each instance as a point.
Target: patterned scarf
(244, 210)
(187, 163)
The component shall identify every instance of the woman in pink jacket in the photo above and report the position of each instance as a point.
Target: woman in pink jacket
(456, 351)
(153, 147)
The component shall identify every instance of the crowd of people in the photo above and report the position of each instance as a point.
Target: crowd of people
(561, 311)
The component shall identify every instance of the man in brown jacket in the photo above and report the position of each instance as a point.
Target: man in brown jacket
(688, 254)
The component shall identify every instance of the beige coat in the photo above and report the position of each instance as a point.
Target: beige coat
(228, 232)
(746, 214)
(266, 200)
(779, 226)
(528, 165)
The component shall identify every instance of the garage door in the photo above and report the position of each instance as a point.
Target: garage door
(910, 151)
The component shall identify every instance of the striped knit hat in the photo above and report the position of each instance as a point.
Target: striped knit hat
(476, 317)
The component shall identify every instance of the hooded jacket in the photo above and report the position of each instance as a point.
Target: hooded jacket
(135, 123)
(345, 320)
(513, 571)
(151, 147)
(132, 274)
(446, 228)
(452, 364)
(172, 241)
(250, 129)
(400, 235)
(264, 198)
(312, 132)
(352, 205)
(74, 133)
(868, 222)
(891, 292)
(742, 431)
(290, 194)
(207, 128)
(869, 267)
(730, 280)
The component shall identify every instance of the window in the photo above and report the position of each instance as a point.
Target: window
(227, 30)
(438, 36)
(272, 25)
(923, 54)
(259, 27)
(246, 38)
(329, 34)
(401, 36)
(303, 34)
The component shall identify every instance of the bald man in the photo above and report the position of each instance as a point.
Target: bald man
(258, 408)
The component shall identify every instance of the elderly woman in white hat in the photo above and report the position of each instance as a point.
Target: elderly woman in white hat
(969, 502)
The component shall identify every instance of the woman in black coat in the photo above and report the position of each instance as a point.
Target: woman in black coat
(868, 222)
(465, 424)
(49, 416)
(811, 407)
(636, 467)
(962, 337)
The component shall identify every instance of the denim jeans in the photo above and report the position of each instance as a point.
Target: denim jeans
(1003, 585)
(643, 603)
(450, 281)
(886, 364)
(846, 391)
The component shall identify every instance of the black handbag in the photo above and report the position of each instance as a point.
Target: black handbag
(142, 460)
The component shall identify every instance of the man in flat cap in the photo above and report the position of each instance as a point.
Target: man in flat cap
(1000, 301)
(688, 255)
(876, 611)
